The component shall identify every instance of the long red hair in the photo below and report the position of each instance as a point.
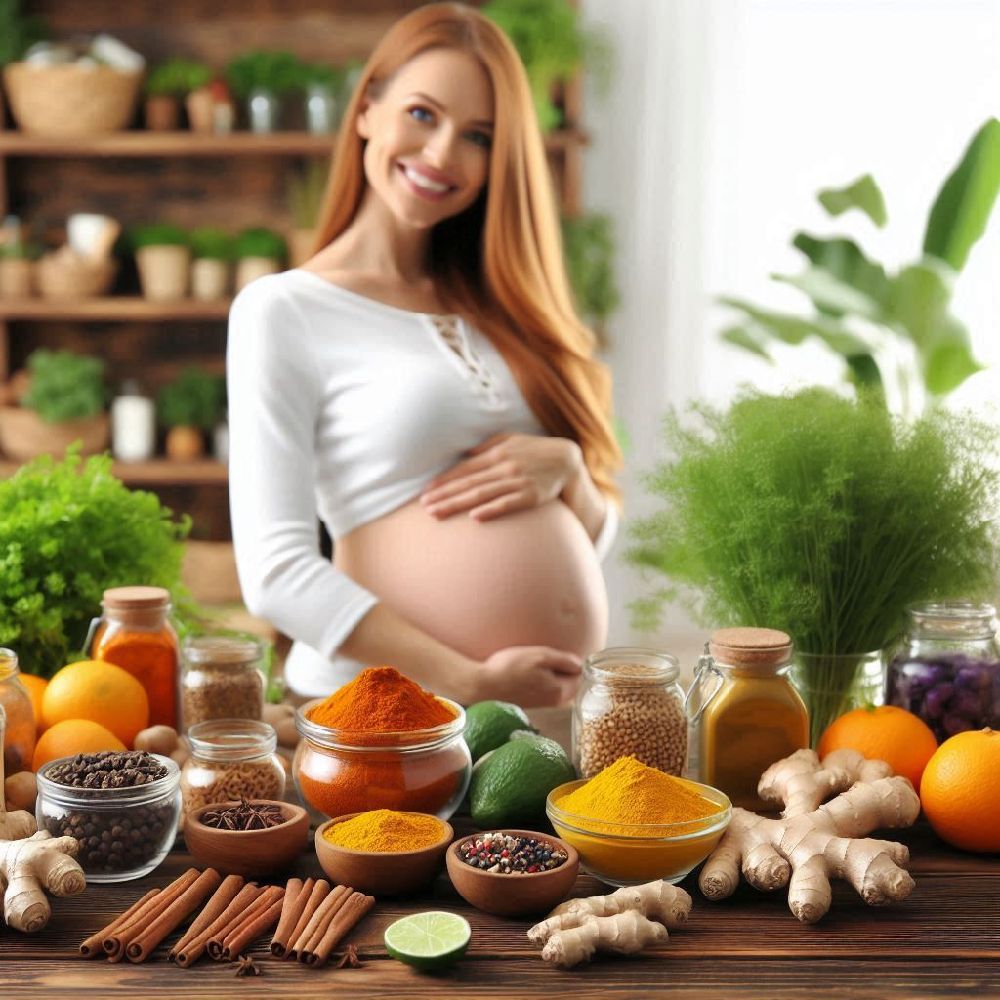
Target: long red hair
(499, 263)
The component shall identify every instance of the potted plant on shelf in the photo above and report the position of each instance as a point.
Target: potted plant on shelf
(17, 270)
(823, 517)
(258, 251)
(305, 195)
(589, 249)
(212, 250)
(61, 401)
(167, 84)
(163, 255)
(261, 78)
(188, 407)
(323, 88)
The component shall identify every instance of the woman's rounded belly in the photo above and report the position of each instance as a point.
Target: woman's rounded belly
(528, 578)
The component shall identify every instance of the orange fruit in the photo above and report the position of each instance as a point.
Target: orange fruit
(72, 736)
(101, 692)
(904, 741)
(35, 687)
(960, 791)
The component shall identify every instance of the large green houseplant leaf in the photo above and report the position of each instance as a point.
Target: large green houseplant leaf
(894, 331)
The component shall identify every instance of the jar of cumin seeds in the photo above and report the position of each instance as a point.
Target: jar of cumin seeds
(630, 702)
(222, 678)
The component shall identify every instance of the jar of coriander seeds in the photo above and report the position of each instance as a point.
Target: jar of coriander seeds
(222, 678)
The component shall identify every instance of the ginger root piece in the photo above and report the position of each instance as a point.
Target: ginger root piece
(813, 843)
(31, 862)
(660, 901)
(622, 933)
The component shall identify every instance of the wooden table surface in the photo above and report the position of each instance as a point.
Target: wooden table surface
(944, 941)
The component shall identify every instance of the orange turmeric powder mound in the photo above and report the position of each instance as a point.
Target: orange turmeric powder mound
(381, 700)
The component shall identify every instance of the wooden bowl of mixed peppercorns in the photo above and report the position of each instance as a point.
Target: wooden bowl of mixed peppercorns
(512, 872)
(252, 838)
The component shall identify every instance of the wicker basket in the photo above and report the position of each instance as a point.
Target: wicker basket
(65, 276)
(71, 99)
(24, 435)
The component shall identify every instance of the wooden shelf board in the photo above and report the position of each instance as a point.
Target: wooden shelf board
(141, 143)
(156, 472)
(113, 307)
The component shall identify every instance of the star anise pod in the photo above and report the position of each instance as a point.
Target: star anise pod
(246, 966)
(350, 960)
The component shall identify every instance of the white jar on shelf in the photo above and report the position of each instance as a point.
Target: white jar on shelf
(133, 425)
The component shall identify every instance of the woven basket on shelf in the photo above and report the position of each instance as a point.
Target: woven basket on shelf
(65, 276)
(71, 99)
(24, 435)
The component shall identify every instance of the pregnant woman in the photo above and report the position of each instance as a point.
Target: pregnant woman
(424, 386)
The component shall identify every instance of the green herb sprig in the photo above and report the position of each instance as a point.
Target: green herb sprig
(68, 530)
(820, 515)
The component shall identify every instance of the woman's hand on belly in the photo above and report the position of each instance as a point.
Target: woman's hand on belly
(533, 676)
(506, 473)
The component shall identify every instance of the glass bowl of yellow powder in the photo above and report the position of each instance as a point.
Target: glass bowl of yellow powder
(632, 824)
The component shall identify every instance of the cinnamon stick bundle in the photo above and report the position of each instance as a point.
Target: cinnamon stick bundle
(93, 946)
(296, 896)
(217, 943)
(319, 892)
(346, 919)
(224, 895)
(251, 930)
(149, 936)
(115, 943)
(195, 948)
(313, 934)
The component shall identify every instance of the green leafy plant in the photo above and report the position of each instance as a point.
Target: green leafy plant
(64, 386)
(177, 77)
(211, 243)
(550, 42)
(821, 516)
(194, 399)
(589, 251)
(321, 74)
(158, 234)
(68, 531)
(894, 331)
(305, 193)
(260, 242)
(278, 72)
(18, 31)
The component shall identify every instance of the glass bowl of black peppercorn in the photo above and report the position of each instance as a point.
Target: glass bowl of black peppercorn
(121, 807)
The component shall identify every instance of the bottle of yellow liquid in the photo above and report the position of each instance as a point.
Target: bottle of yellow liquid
(751, 716)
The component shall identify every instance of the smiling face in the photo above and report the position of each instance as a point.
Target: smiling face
(428, 137)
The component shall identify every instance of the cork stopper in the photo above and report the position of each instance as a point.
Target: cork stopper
(136, 598)
(751, 648)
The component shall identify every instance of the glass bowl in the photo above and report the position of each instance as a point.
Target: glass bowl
(631, 854)
(338, 772)
(123, 833)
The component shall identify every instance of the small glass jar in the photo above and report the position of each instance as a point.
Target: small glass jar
(629, 703)
(123, 833)
(231, 759)
(947, 668)
(135, 633)
(222, 678)
(753, 716)
(424, 770)
(19, 731)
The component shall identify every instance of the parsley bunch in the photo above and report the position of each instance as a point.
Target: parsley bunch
(69, 530)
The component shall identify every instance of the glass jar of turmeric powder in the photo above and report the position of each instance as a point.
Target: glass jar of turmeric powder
(420, 770)
(19, 716)
(752, 717)
(135, 633)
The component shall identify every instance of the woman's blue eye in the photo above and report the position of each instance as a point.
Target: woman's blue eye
(421, 114)
(481, 139)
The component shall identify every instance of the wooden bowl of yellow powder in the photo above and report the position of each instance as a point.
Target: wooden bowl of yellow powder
(633, 824)
(383, 852)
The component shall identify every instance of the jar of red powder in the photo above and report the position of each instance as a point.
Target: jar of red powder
(422, 770)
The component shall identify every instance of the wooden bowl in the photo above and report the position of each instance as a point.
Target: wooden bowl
(381, 873)
(251, 853)
(514, 895)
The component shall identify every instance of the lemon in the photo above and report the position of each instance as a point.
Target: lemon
(431, 940)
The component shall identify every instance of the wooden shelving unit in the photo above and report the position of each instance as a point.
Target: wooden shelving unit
(205, 472)
(110, 308)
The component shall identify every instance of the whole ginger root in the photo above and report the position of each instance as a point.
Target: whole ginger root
(31, 862)
(813, 843)
(624, 922)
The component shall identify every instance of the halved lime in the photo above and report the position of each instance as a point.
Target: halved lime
(429, 940)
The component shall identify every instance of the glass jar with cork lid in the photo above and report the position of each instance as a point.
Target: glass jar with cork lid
(222, 678)
(752, 717)
(135, 633)
(629, 703)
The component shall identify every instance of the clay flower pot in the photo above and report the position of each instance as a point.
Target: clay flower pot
(200, 105)
(164, 272)
(17, 278)
(250, 268)
(163, 113)
(209, 279)
(184, 444)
